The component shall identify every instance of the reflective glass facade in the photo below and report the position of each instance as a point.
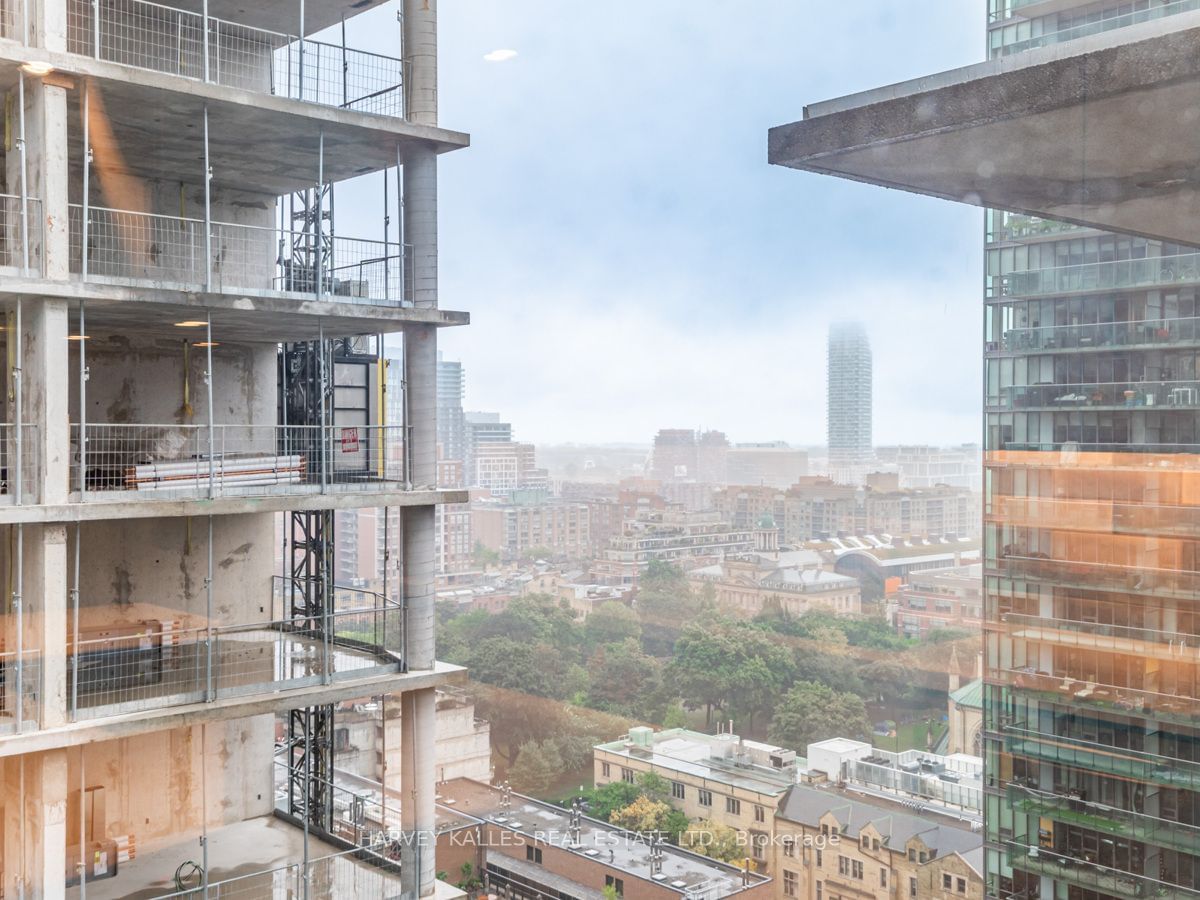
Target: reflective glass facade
(1092, 539)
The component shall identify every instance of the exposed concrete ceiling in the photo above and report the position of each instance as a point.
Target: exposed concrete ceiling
(157, 128)
(1103, 133)
(113, 309)
(282, 15)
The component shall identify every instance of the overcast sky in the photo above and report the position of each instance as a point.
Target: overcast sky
(630, 261)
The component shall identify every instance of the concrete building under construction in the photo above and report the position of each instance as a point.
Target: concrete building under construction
(195, 377)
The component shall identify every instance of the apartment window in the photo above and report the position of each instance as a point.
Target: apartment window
(791, 884)
(883, 878)
(820, 859)
(760, 814)
(819, 886)
(533, 854)
(627, 775)
(852, 868)
(606, 770)
(912, 855)
(677, 790)
(960, 885)
(947, 882)
(865, 840)
(616, 883)
(705, 798)
(912, 887)
(789, 846)
(733, 806)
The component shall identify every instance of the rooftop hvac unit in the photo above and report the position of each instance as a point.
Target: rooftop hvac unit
(782, 759)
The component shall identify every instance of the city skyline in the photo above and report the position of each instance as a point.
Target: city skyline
(635, 231)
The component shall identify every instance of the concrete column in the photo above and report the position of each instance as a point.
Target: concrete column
(35, 825)
(47, 372)
(45, 603)
(420, 56)
(418, 716)
(47, 23)
(421, 224)
(47, 144)
(420, 375)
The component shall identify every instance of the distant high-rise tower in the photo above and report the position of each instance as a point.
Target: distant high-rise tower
(849, 406)
(451, 422)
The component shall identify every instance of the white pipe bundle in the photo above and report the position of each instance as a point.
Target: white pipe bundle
(239, 471)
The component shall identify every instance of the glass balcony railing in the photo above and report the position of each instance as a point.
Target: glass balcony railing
(1111, 394)
(1155, 333)
(1007, 226)
(1124, 579)
(1116, 17)
(158, 462)
(1104, 516)
(1073, 870)
(1073, 633)
(1072, 810)
(1154, 456)
(1119, 700)
(172, 40)
(1123, 763)
(172, 252)
(1127, 273)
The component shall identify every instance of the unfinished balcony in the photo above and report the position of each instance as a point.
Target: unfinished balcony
(154, 658)
(183, 42)
(192, 462)
(180, 253)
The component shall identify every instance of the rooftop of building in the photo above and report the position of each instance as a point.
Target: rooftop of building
(722, 758)
(969, 696)
(607, 845)
(806, 804)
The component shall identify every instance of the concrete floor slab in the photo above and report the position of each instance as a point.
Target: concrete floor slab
(1100, 132)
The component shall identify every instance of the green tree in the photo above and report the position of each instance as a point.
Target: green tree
(812, 712)
(611, 623)
(675, 716)
(626, 681)
(485, 557)
(653, 786)
(737, 667)
(607, 799)
(537, 768)
(537, 669)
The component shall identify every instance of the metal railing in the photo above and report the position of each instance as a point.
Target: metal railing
(1151, 332)
(152, 669)
(30, 470)
(161, 461)
(172, 251)
(166, 39)
(1183, 268)
(20, 226)
(360, 872)
(1129, 394)
(20, 691)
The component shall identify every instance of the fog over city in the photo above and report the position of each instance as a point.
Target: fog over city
(614, 220)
